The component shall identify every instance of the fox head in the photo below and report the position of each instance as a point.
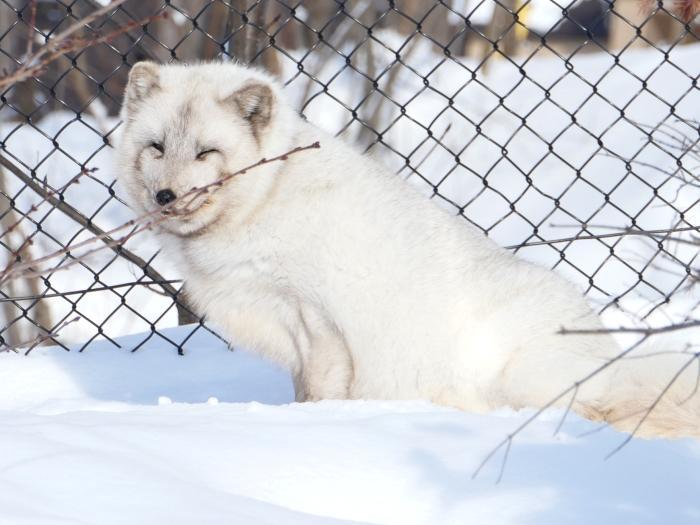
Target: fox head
(189, 126)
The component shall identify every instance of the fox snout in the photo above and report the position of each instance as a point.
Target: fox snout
(165, 196)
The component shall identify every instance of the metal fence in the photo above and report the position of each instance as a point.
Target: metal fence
(568, 131)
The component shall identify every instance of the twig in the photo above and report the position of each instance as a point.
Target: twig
(622, 233)
(697, 382)
(36, 341)
(54, 48)
(35, 206)
(674, 174)
(181, 206)
(16, 254)
(508, 439)
(90, 290)
(505, 459)
(89, 225)
(566, 412)
(428, 153)
(648, 332)
(632, 330)
(653, 406)
(30, 28)
(64, 43)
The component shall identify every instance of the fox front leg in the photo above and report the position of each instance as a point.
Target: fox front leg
(326, 370)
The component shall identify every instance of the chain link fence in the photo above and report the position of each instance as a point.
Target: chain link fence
(567, 131)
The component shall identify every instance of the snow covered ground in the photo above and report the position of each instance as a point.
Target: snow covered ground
(113, 437)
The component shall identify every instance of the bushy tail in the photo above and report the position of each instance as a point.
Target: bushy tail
(653, 392)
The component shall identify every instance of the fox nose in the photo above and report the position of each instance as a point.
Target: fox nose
(164, 197)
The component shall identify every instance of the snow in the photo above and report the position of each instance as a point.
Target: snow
(109, 436)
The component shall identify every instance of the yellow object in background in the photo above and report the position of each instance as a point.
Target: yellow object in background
(520, 27)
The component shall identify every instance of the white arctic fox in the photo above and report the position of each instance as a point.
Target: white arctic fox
(340, 271)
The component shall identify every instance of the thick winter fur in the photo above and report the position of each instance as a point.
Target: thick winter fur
(338, 270)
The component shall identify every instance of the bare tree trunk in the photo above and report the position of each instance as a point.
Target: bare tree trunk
(21, 330)
(268, 57)
(184, 310)
(627, 15)
(251, 24)
(12, 333)
(15, 44)
(500, 30)
(432, 19)
(215, 24)
(371, 117)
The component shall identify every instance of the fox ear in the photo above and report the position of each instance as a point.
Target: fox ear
(143, 79)
(254, 102)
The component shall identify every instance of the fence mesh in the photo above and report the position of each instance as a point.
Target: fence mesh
(567, 131)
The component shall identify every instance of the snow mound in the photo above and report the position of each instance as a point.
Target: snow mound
(109, 437)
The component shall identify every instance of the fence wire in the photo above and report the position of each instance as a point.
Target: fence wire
(568, 131)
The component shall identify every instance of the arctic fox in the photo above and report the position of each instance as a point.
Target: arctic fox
(343, 273)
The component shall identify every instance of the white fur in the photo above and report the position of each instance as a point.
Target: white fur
(340, 271)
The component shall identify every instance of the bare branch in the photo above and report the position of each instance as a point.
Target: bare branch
(36, 341)
(180, 207)
(47, 195)
(653, 405)
(427, 155)
(621, 233)
(65, 42)
(633, 330)
(508, 439)
(567, 411)
(89, 290)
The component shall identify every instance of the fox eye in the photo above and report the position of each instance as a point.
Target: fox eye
(158, 147)
(204, 153)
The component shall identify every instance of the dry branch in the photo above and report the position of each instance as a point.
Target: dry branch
(65, 42)
(182, 206)
(573, 389)
(36, 341)
(90, 290)
(622, 232)
(686, 146)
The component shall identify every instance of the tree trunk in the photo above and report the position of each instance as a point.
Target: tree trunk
(23, 329)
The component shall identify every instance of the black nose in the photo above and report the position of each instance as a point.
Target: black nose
(164, 197)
